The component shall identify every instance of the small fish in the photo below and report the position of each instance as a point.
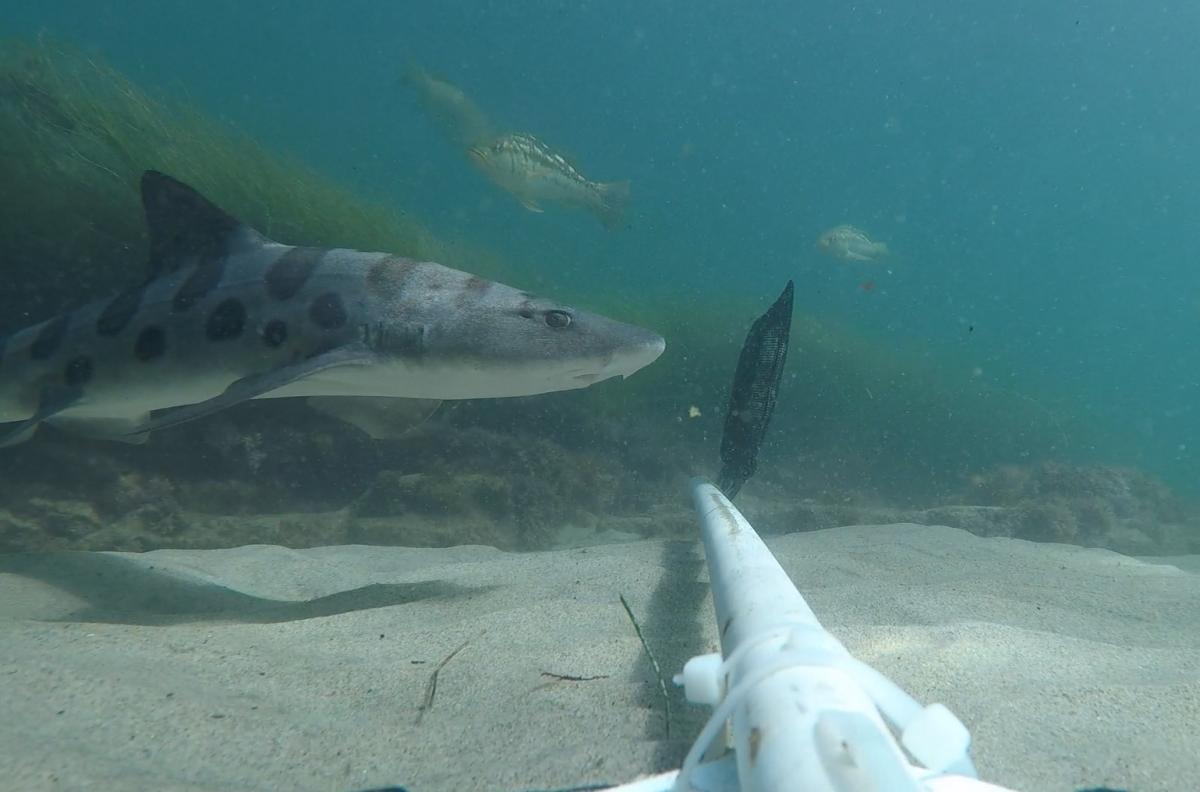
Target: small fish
(228, 315)
(533, 173)
(459, 117)
(848, 243)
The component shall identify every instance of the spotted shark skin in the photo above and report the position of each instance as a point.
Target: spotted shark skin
(229, 315)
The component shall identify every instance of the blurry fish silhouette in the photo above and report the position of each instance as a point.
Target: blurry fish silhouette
(534, 173)
(848, 243)
(463, 121)
(755, 388)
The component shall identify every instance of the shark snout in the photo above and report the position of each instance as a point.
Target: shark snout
(651, 349)
(635, 355)
(638, 349)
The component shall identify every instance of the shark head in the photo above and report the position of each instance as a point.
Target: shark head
(473, 338)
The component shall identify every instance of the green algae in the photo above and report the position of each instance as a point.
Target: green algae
(859, 418)
(856, 412)
(75, 137)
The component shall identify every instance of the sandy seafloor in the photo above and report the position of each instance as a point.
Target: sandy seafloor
(263, 668)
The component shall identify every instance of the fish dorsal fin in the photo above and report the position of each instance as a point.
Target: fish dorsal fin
(185, 227)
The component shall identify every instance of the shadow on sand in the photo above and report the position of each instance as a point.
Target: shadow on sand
(120, 590)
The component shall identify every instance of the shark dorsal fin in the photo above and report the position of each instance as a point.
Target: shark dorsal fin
(185, 227)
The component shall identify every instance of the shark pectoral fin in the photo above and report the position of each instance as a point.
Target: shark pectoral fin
(531, 205)
(126, 429)
(256, 385)
(52, 403)
(21, 431)
(139, 437)
(381, 417)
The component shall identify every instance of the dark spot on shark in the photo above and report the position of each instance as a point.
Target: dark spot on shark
(78, 371)
(119, 312)
(203, 280)
(327, 311)
(226, 321)
(526, 309)
(387, 276)
(151, 343)
(275, 333)
(473, 287)
(291, 271)
(49, 338)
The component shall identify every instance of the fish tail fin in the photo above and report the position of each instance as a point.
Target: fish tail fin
(13, 432)
(52, 402)
(614, 198)
(22, 432)
(411, 73)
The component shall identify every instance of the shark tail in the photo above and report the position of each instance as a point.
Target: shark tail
(13, 432)
(614, 198)
(411, 73)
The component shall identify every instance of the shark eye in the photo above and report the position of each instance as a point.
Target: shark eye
(558, 319)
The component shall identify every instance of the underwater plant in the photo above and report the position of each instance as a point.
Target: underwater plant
(858, 417)
(75, 138)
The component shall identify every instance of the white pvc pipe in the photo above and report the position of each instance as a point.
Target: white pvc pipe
(751, 592)
(806, 716)
(805, 726)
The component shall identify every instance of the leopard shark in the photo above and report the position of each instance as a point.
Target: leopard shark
(227, 315)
